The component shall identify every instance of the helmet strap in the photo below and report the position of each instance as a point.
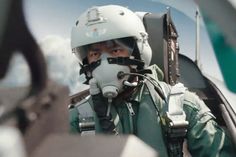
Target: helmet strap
(88, 68)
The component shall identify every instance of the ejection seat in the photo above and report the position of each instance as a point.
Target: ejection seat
(162, 37)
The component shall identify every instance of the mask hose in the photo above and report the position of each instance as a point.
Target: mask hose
(156, 85)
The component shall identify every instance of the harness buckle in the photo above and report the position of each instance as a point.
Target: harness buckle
(176, 125)
(86, 124)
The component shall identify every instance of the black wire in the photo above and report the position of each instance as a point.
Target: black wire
(157, 89)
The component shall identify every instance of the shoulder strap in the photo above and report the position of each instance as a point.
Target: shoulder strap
(175, 112)
(174, 121)
(173, 117)
(86, 121)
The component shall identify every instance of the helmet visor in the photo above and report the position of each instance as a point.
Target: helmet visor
(112, 46)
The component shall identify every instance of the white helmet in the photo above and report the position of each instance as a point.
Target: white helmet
(106, 23)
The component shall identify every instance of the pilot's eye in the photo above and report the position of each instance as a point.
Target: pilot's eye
(94, 53)
(117, 51)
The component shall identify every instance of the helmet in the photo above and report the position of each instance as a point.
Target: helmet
(110, 24)
(106, 23)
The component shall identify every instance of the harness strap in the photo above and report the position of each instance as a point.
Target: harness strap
(125, 61)
(173, 118)
(116, 60)
(88, 68)
(174, 121)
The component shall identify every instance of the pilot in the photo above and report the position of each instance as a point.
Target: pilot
(128, 96)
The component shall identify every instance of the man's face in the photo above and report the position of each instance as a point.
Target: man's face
(110, 47)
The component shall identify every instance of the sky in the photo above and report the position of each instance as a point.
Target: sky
(50, 22)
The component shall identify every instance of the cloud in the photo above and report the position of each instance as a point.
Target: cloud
(62, 64)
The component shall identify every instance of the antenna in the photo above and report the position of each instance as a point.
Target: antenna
(197, 48)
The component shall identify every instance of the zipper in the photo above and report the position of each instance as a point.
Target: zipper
(130, 108)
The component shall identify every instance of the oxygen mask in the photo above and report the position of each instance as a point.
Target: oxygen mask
(106, 75)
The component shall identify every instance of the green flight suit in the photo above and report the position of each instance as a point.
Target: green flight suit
(204, 136)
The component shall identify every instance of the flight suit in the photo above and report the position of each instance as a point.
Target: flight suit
(140, 114)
